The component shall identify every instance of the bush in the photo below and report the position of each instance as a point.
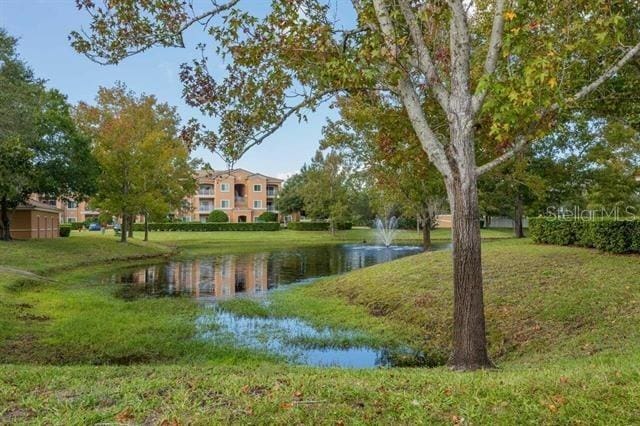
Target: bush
(344, 226)
(76, 226)
(208, 227)
(614, 236)
(218, 216)
(65, 230)
(268, 217)
(308, 226)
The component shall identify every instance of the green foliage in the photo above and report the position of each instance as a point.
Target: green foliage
(268, 217)
(290, 198)
(218, 216)
(308, 226)
(145, 166)
(41, 149)
(209, 226)
(343, 226)
(615, 236)
(65, 230)
(75, 226)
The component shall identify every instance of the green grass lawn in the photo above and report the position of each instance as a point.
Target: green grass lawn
(562, 323)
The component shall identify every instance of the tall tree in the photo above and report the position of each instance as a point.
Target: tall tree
(326, 190)
(505, 70)
(378, 136)
(145, 167)
(41, 150)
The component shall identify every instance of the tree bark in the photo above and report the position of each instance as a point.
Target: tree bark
(469, 338)
(130, 225)
(518, 229)
(5, 221)
(426, 232)
(146, 227)
(124, 227)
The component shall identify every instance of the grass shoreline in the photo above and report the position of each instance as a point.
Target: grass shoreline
(562, 323)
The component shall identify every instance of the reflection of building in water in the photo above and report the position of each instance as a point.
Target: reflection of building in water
(224, 277)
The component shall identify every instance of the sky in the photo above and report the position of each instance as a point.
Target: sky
(42, 27)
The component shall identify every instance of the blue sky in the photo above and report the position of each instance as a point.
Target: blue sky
(42, 27)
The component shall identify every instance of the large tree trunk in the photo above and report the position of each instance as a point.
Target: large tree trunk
(124, 227)
(469, 338)
(5, 221)
(426, 232)
(518, 230)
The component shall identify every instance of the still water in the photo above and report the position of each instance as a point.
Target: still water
(227, 276)
(223, 277)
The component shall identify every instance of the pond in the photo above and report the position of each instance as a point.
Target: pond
(254, 275)
(250, 274)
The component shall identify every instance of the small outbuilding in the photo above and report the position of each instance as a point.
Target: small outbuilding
(35, 220)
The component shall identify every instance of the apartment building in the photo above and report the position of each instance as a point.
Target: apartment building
(241, 194)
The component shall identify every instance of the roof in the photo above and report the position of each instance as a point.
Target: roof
(37, 205)
(214, 174)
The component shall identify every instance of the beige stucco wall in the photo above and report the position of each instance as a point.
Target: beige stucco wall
(34, 224)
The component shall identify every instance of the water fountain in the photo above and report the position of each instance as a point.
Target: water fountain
(386, 230)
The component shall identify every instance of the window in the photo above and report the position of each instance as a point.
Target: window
(224, 204)
(224, 187)
(257, 204)
(72, 205)
(71, 220)
(257, 188)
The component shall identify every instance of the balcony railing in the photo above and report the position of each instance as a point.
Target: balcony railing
(205, 209)
(241, 201)
(272, 192)
(205, 192)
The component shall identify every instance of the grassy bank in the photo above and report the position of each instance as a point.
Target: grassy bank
(562, 323)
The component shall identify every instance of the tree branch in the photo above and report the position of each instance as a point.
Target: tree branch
(155, 40)
(428, 139)
(495, 45)
(425, 62)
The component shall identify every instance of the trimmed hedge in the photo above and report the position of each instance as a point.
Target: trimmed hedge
(65, 230)
(344, 226)
(308, 226)
(614, 236)
(209, 226)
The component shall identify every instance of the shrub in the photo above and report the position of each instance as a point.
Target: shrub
(65, 230)
(344, 226)
(218, 216)
(209, 226)
(614, 236)
(268, 217)
(75, 226)
(308, 226)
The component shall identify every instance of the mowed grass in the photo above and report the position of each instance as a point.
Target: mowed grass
(562, 323)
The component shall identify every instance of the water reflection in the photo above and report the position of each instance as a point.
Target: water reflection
(226, 276)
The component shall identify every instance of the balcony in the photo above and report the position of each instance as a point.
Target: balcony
(241, 202)
(272, 209)
(205, 209)
(205, 192)
(272, 192)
